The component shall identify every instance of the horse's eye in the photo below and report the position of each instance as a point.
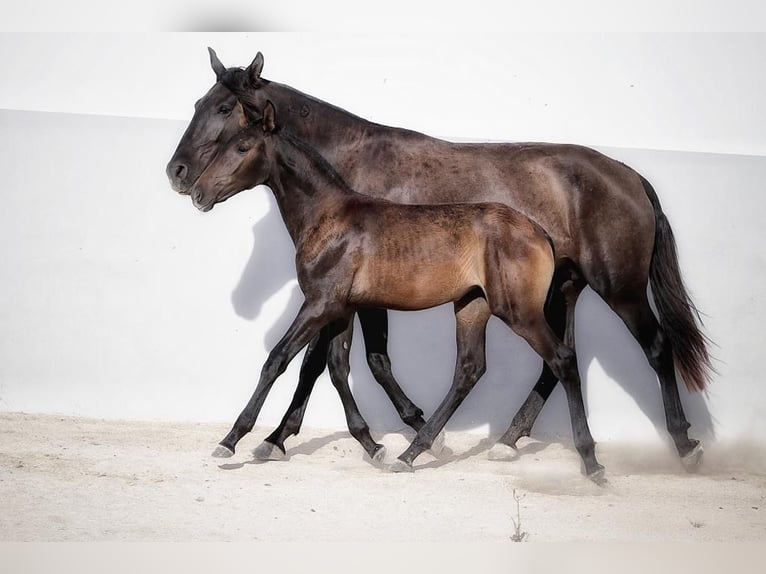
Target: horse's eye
(243, 149)
(224, 110)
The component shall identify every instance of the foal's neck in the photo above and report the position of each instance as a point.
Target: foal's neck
(304, 184)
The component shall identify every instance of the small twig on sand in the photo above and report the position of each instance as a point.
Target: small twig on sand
(519, 535)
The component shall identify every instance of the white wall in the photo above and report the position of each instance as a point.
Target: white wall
(690, 92)
(118, 299)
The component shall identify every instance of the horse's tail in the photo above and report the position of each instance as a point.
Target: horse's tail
(678, 316)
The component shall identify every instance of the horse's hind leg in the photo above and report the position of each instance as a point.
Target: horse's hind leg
(314, 362)
(640, 320)
(560, 314)
(472, 314)
(338, 364)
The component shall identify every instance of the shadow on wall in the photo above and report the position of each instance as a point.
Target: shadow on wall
(422, 349)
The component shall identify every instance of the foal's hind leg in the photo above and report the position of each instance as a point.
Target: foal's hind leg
(560, 314)
(563, 362)
(640, 320)
(314, 362)
(472, 314)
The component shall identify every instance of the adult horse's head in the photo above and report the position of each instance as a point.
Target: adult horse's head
(218, 116)
(241, 163)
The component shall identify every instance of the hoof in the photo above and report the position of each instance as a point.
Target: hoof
(222, 452)
(401, 466)
(437, 447)
(501, 451)
(379, 454)
(597, 476)
(692, 460)
(268, 451)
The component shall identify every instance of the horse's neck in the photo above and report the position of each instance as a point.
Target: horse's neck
(304, 185)
(326, 127)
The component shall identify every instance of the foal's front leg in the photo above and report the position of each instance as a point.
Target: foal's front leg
(334, 343)
(335, 356)
(314, 362)
(311, 317)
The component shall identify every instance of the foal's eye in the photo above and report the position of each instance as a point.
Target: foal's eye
(224, 110)
(243, 149)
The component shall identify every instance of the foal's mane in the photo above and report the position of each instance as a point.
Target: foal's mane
(315, 159)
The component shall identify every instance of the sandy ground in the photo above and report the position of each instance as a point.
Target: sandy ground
(89, 480)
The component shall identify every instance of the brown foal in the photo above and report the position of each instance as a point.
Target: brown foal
(355, 251)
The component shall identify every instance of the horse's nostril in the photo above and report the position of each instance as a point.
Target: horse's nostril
(181, 170)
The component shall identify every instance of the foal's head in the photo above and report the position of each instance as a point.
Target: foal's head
(243, 162)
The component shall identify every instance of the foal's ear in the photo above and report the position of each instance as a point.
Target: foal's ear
(251, 116)
(255, 68)
(269, 117)
(216, 64)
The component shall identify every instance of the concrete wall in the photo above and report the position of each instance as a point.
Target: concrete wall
(119, 300)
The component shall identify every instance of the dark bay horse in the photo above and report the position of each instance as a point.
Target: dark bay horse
(355, 251)
(605, 220)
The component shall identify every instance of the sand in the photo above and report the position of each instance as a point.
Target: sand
(75, 479)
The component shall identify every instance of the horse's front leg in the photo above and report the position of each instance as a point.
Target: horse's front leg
(375, 332)
(311, 317)
(338, 365)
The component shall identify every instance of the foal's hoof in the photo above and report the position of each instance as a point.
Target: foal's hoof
(379, 454)
(401, 466)
(597, 476)
(693, 459)
(501, 451)
(222, 452)
(268, 451)
(437, 447)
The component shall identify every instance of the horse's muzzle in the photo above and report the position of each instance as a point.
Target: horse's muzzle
(177, 173)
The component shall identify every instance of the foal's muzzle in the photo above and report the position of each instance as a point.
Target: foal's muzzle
(197, 200)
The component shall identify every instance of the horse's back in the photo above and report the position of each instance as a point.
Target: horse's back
(594, 207)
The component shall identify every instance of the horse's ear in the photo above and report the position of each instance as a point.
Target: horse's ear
(218, 67)
(269, 117)
(255, 68)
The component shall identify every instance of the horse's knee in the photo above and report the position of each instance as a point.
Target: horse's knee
(338, 365)
(379, 363)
